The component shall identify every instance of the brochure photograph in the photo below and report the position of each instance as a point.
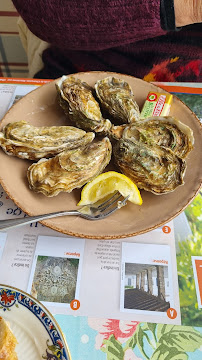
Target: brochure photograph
(56, 272)
(147, 281)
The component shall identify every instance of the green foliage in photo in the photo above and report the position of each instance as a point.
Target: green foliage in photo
(193, 101)
(192, 246)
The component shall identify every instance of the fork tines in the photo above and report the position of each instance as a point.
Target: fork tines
(109, 202)
(111, 205)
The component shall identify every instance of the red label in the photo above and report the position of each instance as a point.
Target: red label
(159, 105)
(198, 264)
(151, 97)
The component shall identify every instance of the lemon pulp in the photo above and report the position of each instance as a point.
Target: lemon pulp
(107, 183)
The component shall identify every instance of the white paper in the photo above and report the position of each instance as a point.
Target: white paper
(19, 92)
(56, 271)
(147, 286)
(2, 242)
(100, 278)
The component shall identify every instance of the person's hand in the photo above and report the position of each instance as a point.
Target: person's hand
(187, 12)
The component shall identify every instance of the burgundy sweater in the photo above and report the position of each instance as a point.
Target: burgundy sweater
(119, 35)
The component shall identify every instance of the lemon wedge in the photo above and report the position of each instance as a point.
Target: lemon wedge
(107, 183)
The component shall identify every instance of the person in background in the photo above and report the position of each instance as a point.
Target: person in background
(156, 40)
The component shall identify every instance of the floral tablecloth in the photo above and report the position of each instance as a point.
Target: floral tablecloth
(108, 339)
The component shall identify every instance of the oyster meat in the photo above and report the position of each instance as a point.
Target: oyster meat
(163, 131)
(29, 142)
(116, 98)
(70, 169)
(152, 168)
(77, 100)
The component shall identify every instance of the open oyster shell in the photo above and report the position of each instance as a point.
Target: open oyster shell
(163, 131)
(77, 100)
(29, 142)
(117, 99)
(152, 168)
(70, 169)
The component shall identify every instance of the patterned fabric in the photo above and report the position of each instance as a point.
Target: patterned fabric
(109, 339)
(174, 57)
(122, 36)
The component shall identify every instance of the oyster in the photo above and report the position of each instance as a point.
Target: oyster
(70, 169)
(116, 131)
(29, 142)
(163, 131)
(152, 168)
(77, 100)
(117, 99)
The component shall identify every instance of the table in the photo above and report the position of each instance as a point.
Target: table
(106, 324)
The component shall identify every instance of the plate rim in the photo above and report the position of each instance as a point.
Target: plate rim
(44, 308)
(48, 223)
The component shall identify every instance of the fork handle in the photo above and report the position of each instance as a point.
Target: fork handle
(10, 223)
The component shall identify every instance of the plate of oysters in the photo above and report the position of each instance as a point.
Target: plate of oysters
(65, 133)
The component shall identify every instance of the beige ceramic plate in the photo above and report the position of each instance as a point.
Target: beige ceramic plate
(40, 108)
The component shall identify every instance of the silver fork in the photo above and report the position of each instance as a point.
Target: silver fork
(89, 212)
